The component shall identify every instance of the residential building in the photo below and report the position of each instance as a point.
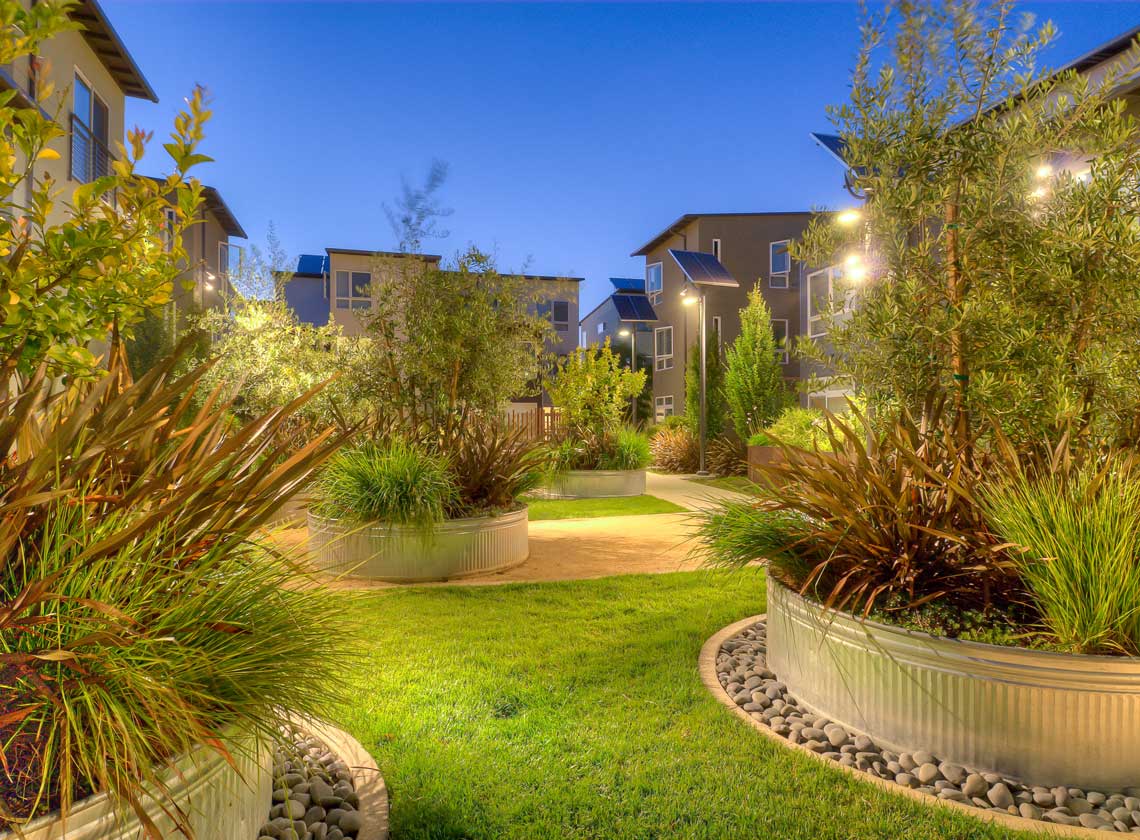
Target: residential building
(753, 247)
(340, 285)
(627, 311)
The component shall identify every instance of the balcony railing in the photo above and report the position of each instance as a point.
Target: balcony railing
(90, 157)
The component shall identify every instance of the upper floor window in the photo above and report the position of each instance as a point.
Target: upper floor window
(718, 329)
(826, 296)
(716, 249)
(353, 290)
(601, 327)
(559, 313)
(90, 133)
(663, 348)
(779, 264)
(654, 282)
(780, 334)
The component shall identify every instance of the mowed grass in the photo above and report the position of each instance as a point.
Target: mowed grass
(590, 508)
(575, 710)
(737, 483)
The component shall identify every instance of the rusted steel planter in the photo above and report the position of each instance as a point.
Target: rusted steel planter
(1046, 718)
(223, 802)
(598, 484)
(762, 455)
(454, 549)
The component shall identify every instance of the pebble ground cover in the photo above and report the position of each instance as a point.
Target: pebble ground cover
(575, 710)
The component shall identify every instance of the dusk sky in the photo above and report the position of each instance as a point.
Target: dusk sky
(574, 132)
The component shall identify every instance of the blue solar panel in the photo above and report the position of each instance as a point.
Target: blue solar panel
(703, 269)
(313, 264)
(633, 308)
(628, 284)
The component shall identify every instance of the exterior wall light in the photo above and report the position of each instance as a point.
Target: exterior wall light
(848, 217)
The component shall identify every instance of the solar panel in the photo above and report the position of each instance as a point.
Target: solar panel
(703, 269)
(628, 284)
(633, 308)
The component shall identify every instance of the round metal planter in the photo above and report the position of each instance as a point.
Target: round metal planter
(598, 484)
(454, 549)
(221, 801)
(1045, 718)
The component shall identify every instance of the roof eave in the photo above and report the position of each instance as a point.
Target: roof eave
(109, 47)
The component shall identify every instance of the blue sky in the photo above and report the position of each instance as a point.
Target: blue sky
(574, 131)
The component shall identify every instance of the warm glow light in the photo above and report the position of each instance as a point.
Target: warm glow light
(209, 287)
(1044, 170)
(856, 273)
(1038, 193)
(623, 333)
(853, 260)
(688, 300)
(848, 217)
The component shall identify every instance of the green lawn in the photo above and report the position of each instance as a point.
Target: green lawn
(574, 710)
(589, 508)
(739, 483)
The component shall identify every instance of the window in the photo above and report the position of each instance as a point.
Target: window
(834, 401)
(716, 249)
(717, 329)
(90, 127)
(230, 259)
(779, 264)
(601, 327)
(780, 333)
(654, 282)
(170, 219)
(353, 290)
(663, 348)
(663, 407)
(558, 311)
(825, 296)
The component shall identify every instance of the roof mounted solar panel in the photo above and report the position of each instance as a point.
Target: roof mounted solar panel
(634, 309)
(628, 284)
(703, 269)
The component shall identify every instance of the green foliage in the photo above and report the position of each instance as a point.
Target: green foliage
(143, 616)
(593, 391)
(627, 449)
(1007, 288)
(715, 417)
(630, 452)
(726, 455)
(675, 449)
(1079, 554)
(392, 481)
(754, 387)
(452, 341)
(65, 285)
(801, 428)
(853, 526)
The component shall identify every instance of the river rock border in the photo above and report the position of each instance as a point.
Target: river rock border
(733, 666)
(325, 787)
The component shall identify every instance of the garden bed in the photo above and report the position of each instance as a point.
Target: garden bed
(598, 484)
(407, 554)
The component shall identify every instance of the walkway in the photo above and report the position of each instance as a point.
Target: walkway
(579, 549)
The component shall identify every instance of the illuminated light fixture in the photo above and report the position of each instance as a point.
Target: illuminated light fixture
(623, 333)
(853, 260)
(1038, 193)
(210, 275)
(209, 287)
(848, 217)
(688, 300)
(1044, 170)
(856, 273)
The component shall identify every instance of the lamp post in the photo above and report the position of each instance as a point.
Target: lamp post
(632, 333)
(688, 299)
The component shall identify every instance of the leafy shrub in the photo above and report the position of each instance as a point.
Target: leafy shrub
(754, 388)
(801, 428)
(673, 421)
(630, 451)
(726, 456)
(675, 450)
(1079, 554)
(143, 617)
(393, 481)
(853, 527)
(593, 392)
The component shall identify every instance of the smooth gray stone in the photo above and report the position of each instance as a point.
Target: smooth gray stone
(999, 795)
(974, 785)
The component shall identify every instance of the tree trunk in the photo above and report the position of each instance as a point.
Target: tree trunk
(959, 365)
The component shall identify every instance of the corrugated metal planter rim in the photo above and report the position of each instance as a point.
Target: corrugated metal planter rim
(1043, 717)
(454, 549)
(223, 803)
(598, 484)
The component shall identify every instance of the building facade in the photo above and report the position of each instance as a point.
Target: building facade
(753, 247)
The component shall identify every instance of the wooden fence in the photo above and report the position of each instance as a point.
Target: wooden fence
(540, 422)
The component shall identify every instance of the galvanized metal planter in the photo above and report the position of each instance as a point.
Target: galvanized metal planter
(221, 801)
(454, 549)
(1045, 718)
(598, 484)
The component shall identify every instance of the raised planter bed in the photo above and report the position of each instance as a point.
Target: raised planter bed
(222, 801)
(598, 484)
(454, 549)
(1050, 718)
(761, 455)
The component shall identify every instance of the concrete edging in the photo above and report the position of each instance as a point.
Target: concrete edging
(707, 669)
(366, 778)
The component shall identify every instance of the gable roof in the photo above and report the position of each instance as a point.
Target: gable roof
(683, 221)
(216, 205)
(109, 47)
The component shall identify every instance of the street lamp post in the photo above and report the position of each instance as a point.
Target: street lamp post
(688, 298)
(632, 333)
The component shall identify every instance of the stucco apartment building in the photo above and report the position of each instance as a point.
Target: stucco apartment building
(753, 248)
(93, 74)
(339, 284)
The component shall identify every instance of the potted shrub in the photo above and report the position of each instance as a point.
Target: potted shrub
(437, 506)
(595, 455)
(798, 428)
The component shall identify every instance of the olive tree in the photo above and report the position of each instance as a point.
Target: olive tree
(992, 267)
